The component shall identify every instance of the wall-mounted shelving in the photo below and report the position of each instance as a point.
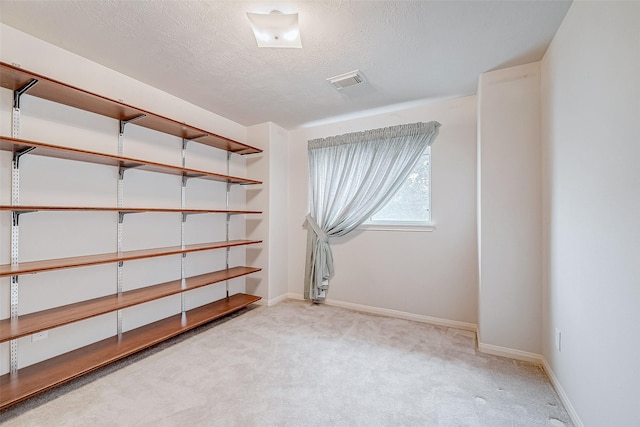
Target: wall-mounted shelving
(15, 79)
(38, 208)
(22, 382)
(86, 260)
(40, 148)
(59, 316)
(55, 371)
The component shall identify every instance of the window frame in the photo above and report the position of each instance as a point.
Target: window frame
(398, 225)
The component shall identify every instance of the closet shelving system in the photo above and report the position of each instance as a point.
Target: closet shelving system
(22, 383)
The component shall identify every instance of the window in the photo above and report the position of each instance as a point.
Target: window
(410, 207)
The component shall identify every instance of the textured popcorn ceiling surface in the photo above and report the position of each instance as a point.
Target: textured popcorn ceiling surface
(205, 53)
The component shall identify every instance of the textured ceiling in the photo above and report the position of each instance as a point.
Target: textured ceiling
(205, 53)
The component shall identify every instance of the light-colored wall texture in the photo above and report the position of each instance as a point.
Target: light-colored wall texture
(272, 198)
(591, 147)
(431, 274)
(509, 210)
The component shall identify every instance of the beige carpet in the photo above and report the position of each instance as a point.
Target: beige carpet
(298, 364)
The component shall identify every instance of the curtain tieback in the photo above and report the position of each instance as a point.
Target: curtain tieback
(322, 236)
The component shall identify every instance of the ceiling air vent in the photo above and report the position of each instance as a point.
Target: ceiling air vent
(347, 79)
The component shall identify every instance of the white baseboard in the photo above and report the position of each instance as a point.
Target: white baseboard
(262, 302)
(293, 295)
(278, 299)
(510, 353)
(539, 360)
(396, 313)
(563, 395)
(273, 301)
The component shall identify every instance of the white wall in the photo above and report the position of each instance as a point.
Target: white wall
(432, 274)
(591, 135)
(272, 198)
(45, 181)
(509, 208)
(278, 213)
(41, 57)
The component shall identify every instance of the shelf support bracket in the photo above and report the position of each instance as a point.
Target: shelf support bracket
(122, 213)
(19, 153)
(193, 175)
(122, 169)
(198, 137)
(131, 120)
(16, 218)
(21, 91)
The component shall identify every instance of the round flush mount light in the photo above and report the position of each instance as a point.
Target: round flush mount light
(275, 29)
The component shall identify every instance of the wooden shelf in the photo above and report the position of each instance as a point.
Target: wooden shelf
(80, 261)
(42, 376)
(40, 321)
(31, 380)
(56, 151)
(37, 208)
(14, 78)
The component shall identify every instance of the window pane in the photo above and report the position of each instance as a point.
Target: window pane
(411, 202)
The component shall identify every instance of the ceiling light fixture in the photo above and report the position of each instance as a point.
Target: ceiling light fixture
(276, 29)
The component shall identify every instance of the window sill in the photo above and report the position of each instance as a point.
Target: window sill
(398, 227)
